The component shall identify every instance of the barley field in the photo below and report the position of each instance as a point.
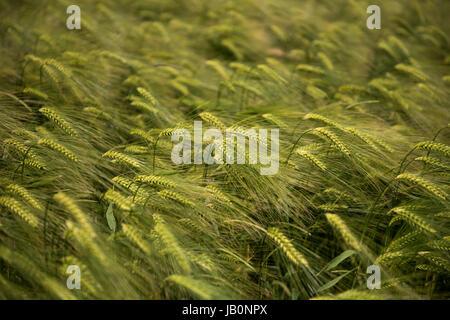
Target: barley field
(87, 121)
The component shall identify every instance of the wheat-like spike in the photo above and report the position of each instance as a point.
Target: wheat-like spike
(30, 57)
(230, 45)
(429, 91)
(430, 268)
(219, 68)
(272, 74)
(242, 68)
(58, 120)
(167, 194)
(181, 88)
(208, 117)
(32, 163)
(191, 224)
(432, 29)
(228, 84)
(59, 148)
(118, 199)
(274, 120)
(147, 95)
(399, 44)
(51, 73)
(142, 198)
(14, 206)
(58, 66)
(394, 220)
(391, 283)
(324, 44)
(397, 97)
(288, 248)
(379, 85)
(423, 183)
(339, 225)
(312, 158)
(246, 133)
(364, 137)
(24, 193)
(333, 138)
(32, 160)
(345, 98)
(383, 45)
(434, 146)
(141, 133)
(408, 215)
(188, 81)
(311, 69)
(20, 148)
(326, 61)
(132, 234)
(121, 158)
(412, 71)
(247, 87)
(382, 143)
(339, 193)
(154, 180)
(279, 33)
(443, 244)
(330, 207)
(26, 134)
(144, 106)
(353, 89)
(219, 194)
(293, 165)
(315, 92)
(97, 112)
(171, 242)
(70, 206)
(445, 214)
(403, 241)
(43, 131)
(167, 132)
(313, 116)
(136, 149)
(439, 261)
(126, 183)
(234, 257)
(386, 258)
(311, 147)
(36, 93)
(114, 56)
(198, 287)
(433, 161)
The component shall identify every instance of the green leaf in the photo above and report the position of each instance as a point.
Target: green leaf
(331, 283)
(110, 218)
(336, 261)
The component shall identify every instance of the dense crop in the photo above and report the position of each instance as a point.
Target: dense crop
(86, 176)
